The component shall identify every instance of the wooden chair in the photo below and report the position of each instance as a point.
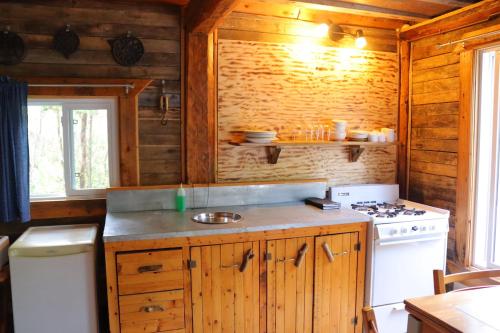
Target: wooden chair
(369, 320)
(441, 280)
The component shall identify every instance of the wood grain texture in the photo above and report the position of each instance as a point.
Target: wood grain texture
(334, 296)
(287, 92)
(439, 131)
(224, 298)
(200, 108)
(290, 296)
(242, 26)
(156, 25)
(470, 15)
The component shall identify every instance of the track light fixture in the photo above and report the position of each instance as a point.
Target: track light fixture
(336, 33)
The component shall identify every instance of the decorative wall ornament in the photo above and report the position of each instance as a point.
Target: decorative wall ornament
(12, 49)
(127, 50)
(66, 41)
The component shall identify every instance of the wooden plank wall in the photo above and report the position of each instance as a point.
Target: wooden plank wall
(97, 21)
(435, 88)
(288, 84)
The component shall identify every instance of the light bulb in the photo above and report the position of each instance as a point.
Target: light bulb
(321, 30)
(360, 40)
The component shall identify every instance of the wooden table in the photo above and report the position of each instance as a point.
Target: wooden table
(470, 311)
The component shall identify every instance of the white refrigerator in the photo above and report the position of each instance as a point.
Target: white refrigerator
(53, 280)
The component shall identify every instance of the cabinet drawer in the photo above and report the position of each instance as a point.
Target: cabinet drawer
(149, 271)
(152, 312)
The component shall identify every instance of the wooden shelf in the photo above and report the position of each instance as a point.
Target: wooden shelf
(273, 149)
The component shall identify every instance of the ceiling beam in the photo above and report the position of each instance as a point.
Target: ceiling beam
(473, 14)
(283, 10)
(205, 15)
(360, 9)
(450, 3)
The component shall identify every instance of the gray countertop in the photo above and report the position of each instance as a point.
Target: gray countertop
(160, 224)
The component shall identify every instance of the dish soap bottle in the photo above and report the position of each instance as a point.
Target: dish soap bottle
(180, 200)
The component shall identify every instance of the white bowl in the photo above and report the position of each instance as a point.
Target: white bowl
(373, 137)
(260, 140)
(357, 134)
(339, 136)
(259, 134)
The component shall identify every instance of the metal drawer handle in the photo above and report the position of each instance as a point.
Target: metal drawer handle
(150, 268)
(330, 254)
(152, 308)
(230, 266)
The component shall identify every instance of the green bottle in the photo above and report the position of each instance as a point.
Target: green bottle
(180, 200)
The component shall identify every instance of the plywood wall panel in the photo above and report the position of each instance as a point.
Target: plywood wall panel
(96, 22)
(267, 86)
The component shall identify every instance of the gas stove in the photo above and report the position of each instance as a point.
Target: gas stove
(386, 210)
(406, 241)
(382, 203)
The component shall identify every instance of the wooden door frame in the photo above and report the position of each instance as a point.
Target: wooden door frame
(128, 124)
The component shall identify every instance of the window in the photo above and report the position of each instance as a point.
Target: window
(73, 147)
(486, 164)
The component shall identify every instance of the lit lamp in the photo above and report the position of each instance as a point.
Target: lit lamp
(360, 39)
(336, 33)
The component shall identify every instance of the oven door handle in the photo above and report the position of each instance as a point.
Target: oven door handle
(411, 240)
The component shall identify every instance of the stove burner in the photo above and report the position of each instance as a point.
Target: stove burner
(385, 209)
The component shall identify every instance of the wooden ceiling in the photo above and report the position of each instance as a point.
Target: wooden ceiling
(386, 14)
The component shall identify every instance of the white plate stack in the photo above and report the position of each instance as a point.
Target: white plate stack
(339, 130)
(358, 135)
(262, 137)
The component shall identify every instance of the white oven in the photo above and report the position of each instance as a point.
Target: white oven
(406, 242)
(401, 267)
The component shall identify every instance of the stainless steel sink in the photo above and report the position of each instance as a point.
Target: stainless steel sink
(217, 218)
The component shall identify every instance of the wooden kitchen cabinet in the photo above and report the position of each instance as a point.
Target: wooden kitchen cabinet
(225, 288)
(150, 289)
(290, 265)
(335, 282)
(200, 285)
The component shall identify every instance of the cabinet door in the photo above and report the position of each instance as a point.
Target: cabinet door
(225, 292)
(290, 264)
(335, 283)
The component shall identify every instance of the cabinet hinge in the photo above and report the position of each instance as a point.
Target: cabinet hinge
(357, 246)
(268, 256)
(191, 264)
(355, 320)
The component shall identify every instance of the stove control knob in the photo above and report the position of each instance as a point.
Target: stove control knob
(432, 227)
(423, 228)
(394, 231)
(404, 230)
(414, 228)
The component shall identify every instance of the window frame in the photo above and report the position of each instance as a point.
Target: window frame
(68, 105)
(492, 223)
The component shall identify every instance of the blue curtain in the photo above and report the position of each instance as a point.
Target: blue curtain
(14, 151)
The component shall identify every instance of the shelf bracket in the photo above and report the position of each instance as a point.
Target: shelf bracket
(273, 154)
(355, 152)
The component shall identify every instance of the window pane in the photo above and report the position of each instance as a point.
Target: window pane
(46, 150)
(90, 149)
(484, 160)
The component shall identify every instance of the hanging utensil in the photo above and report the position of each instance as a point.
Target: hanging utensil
(165, 104)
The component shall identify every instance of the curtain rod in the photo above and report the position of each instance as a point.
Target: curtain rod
(491, 33)
(84, 85)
